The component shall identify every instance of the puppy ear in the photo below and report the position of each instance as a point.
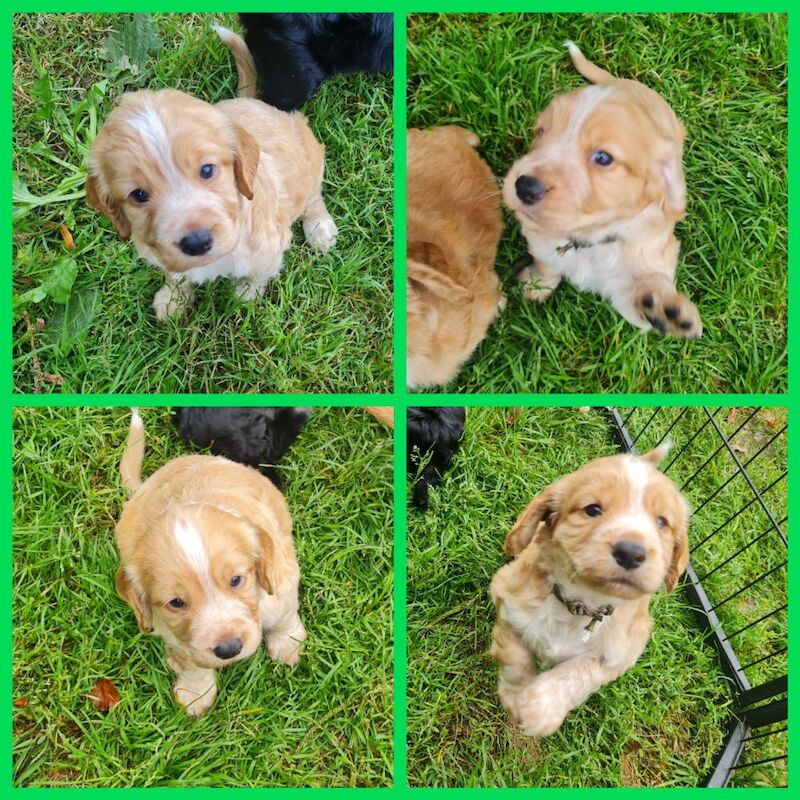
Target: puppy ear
(101, 200)
(537, 511)
(136, 599)
(421, 278)
(680, 558)
(655, 457)
(245, 161)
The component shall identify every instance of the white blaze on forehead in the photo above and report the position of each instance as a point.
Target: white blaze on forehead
(637, 476)
(586, 103)
(150, 126)
(191, 543)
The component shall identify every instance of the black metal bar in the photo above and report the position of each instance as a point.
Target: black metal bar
(767, 657)
(761, 761)
(674, 423)
(739, 551)
(728, 757)
(755, 736)
(752, 583)
(760, 619)
(646, 425)
(773, 688)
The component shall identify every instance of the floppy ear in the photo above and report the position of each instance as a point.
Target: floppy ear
(680, 558)
(537, 511)
(135, 598)
(245, 161)
(421, 278)
(101, 200)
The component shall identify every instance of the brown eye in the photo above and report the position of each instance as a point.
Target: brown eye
(176, 602)
(662, 522)
(593, 510)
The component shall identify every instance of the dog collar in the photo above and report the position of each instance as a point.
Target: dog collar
(583, 244)
(579, 608)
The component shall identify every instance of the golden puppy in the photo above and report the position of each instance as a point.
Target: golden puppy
(207, 563)
(453, 227)
(572, 606)
(598, 197)
(208, 190)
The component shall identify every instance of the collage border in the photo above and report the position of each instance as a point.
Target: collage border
(400, 398)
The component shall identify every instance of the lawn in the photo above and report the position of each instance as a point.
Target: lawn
(661, 723)
(83, 320)
(726, 78)
(325, 723)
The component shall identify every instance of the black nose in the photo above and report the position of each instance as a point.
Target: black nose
(629, 555)
(228, 649)
(529, 189)
(196, 243)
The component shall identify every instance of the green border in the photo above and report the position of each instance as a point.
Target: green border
(400, 398)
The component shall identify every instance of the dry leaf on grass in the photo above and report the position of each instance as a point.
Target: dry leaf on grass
(21, 702)
(104, 696)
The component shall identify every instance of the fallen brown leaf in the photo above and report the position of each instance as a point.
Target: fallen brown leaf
(21, 702)
(732, 415)
(69, 242)
(104, 696)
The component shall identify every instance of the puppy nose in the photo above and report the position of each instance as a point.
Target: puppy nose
(196, 243)
(629, 555)
(228, 649)
(529, 189)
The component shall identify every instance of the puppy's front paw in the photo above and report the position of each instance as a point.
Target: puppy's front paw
(320, 233)
(196, 695)
(245, 290)
(171, 300)
(536, 287)
(539, 711)
(669, 311)
(287, 647)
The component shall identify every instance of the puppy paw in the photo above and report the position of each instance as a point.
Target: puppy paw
(170, 300)
(502, 303)
(287, 647)
(195, 695)
(536, 287)
(669, 312)
(320, 233)
(245, 290)
(538, 710)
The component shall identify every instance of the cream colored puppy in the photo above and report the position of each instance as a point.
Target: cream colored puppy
(598, 196)
(207, 563)
(572, 607)
(453, 228)
(209, 190)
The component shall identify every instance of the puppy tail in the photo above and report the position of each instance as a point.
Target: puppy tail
(130, 466)
(245, 66)
(589, 71)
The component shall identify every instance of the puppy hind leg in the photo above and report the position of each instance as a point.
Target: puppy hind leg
(318, 226)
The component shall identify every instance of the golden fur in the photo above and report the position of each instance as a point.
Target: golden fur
(567, 536)
(453, 228)
(267, 170)
(217, 536)
(608, 229)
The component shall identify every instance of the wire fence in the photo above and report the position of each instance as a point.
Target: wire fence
(731, 463)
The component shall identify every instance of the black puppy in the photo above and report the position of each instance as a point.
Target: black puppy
(433, 430)
(295, 53)
(257, 437)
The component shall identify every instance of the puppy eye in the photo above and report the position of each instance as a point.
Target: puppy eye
(206, 171)
(661, 522)
(537, 132)
(176, 602)
(601, 158)
(593, 510)
(139, 196)
(236, 580)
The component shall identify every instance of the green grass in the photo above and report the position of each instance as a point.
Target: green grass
(325, 723)
(325, 324)
(662, 722)
(725, 76)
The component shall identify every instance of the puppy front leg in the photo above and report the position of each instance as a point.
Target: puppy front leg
(196, 687)
(283, 628)
(516, 666)
(173, 297)
(651, 300)
(318, 226)
(545, 702)
(540, 281)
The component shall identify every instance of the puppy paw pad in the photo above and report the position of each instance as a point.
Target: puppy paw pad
(671, 313)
